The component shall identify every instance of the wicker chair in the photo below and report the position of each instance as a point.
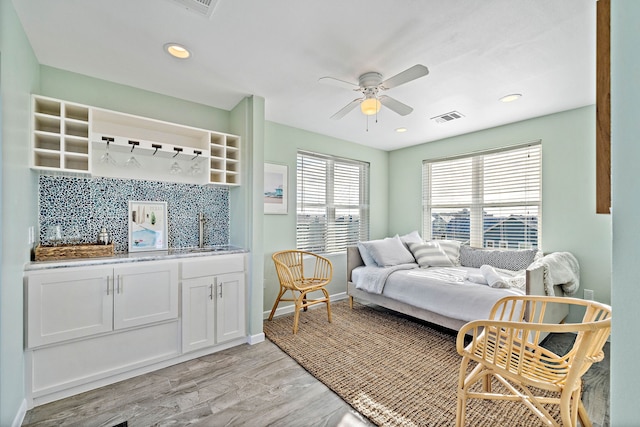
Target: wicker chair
(504, 348)
(291, 273)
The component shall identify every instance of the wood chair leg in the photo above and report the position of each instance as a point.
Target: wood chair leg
(275, 304)
(350, 302)
(583, 416)
(296, 314)
(328, 302)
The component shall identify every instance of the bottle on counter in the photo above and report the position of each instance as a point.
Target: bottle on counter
(103, 237)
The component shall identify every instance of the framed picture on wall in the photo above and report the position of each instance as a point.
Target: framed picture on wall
(275, 188)
(147, 226)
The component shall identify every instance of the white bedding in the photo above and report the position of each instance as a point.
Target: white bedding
(432, 289)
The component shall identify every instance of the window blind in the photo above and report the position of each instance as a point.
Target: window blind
(332, 202)
(490, 199)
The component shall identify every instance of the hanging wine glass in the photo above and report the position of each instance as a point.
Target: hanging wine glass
(132, 162)
(195, 168)
(175, 168)
(107, 158)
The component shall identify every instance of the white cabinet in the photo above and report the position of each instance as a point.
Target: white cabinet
(213, 301)
(69, 303)
(75, 138)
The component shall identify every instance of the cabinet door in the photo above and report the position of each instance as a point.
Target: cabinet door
(145, 293)
(230, 307)
(68, 303)
(198, 313)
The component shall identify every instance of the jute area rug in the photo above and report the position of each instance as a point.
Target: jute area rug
(394, 370)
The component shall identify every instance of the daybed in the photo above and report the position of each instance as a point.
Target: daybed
(449, 295)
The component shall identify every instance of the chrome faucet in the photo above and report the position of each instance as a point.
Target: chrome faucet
(201, 230)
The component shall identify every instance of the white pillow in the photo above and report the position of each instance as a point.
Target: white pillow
(388, 252)
(430, 254)
(414, 236)
(366, 256)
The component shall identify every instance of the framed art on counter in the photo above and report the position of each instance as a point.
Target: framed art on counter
(147, 226)
(275, 189)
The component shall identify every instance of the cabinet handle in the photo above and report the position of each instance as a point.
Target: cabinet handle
(120, 286)
(211, 291)
(108, 284)
(219, 287)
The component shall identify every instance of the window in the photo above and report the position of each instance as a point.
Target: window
(332, 202)
(492, 199)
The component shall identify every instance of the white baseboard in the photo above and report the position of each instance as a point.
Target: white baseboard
(288, 309)
(255, 339)
(22, 412)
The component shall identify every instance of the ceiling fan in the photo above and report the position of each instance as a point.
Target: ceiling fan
(370, 85)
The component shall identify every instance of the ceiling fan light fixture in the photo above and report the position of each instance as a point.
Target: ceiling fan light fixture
(511, 97)
(177, 50)
(370, 106)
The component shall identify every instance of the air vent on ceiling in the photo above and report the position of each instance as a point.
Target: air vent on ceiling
(202, 7)
(447, 117)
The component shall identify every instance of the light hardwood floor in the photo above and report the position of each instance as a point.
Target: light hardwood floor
(255, 385)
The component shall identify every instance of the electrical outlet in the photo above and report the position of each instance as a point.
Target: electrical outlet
(588, 294)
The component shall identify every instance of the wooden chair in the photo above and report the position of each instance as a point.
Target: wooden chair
(291, 273)
(505, 349)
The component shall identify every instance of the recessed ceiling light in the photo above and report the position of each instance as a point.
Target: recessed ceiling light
(511, 97)
(400, 130)
(177, 50)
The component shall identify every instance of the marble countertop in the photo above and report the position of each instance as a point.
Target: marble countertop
(136, 257)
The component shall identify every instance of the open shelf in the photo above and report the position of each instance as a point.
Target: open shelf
(73, 137)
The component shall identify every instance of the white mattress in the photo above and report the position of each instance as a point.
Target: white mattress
(466, 300)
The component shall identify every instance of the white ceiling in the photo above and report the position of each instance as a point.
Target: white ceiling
(476, 52)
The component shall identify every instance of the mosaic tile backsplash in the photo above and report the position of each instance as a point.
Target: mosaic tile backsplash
(92, 203)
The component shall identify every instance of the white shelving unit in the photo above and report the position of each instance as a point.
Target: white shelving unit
(60, 138)
(75, 138)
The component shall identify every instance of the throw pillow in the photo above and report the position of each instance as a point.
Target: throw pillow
(452, 249)
(430, 254)
(414, 236)
(513, 260)
(388, 252)
(366, 256)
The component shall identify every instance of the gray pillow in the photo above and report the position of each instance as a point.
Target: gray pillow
(513, 260)
(430, 254)
(452, 249)
(388, 252)
(366, 256)
(413, 237)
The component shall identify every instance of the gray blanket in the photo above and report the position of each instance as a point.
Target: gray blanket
(560, 268)
(372, 279)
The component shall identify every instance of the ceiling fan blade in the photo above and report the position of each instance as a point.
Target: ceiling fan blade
(338, 83)
(406, 76)
(395, 105)
(350, 106)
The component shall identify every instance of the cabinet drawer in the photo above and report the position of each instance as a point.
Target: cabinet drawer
(210, 266)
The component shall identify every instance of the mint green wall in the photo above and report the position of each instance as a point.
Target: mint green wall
(281, 145)
(569, 221)
(247, 120)
(18, 79)
(82, 89)
(625, 157)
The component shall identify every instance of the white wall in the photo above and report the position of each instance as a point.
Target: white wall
(19, 74)
(569, 221)
(625, 158)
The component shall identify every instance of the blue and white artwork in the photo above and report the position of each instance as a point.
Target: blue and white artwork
(147, 226)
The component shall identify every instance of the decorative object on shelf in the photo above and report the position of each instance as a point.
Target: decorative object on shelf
(147, 226)
(74, 235)
(53, 253)
(275, 188)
